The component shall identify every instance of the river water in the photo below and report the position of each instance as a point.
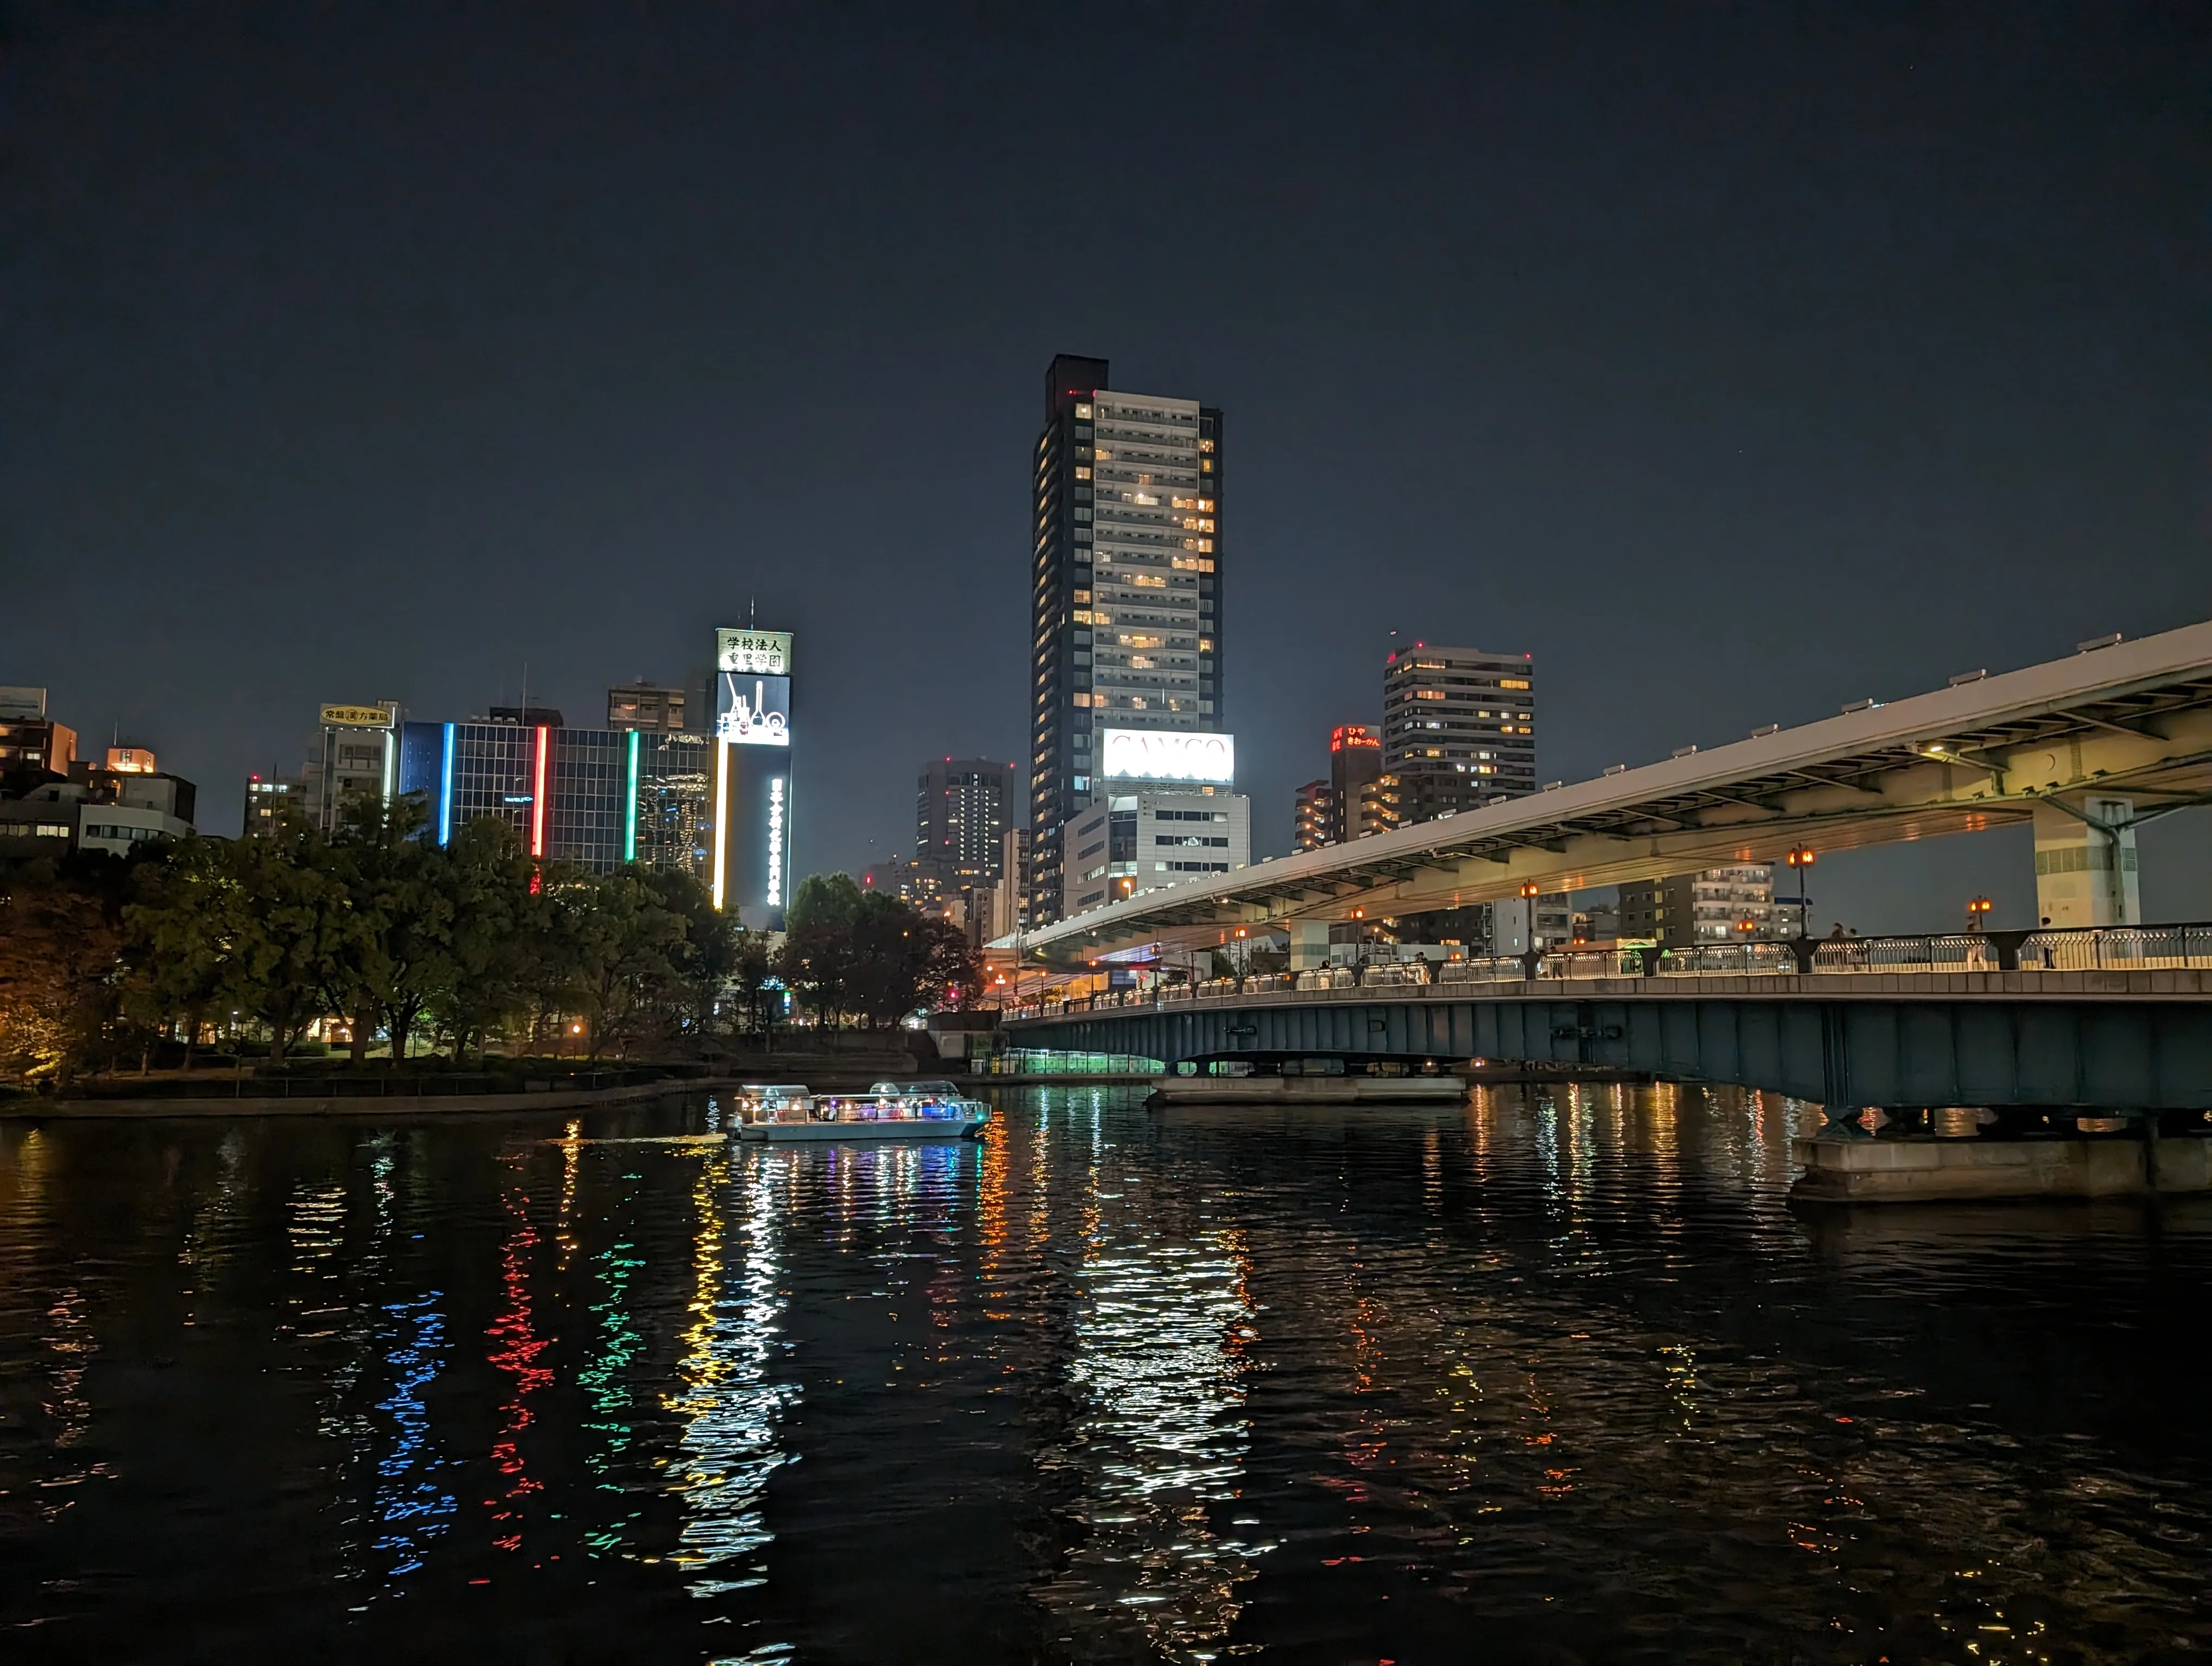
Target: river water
(1556, 1376)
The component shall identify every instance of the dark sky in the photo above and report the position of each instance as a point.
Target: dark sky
(1737, 362)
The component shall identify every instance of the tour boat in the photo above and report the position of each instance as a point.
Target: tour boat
(785, 1113)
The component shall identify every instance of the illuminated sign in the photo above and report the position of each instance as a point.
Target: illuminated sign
(776, 842)
(1169, 755)
(752, 711)
(764, 653)
(360, 717)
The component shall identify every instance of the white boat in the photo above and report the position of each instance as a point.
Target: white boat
(787, 1113)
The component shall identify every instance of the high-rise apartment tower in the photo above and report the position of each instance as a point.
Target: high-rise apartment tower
(1125, 591)
(1459, 729)
(960, 808)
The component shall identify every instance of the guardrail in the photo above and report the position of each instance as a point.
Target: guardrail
(2096, 948)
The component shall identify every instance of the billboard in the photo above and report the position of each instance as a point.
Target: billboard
(359, 717)
(767, 653)
(752, 711)
(1167, 755)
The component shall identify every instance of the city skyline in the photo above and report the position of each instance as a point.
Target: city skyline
(1480, 400)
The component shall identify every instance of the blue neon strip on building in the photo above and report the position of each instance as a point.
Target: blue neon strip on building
(629, 805)
(445, 791)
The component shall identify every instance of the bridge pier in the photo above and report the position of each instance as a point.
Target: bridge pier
(1931, 1170)
(1309, 945)
(2085, 861)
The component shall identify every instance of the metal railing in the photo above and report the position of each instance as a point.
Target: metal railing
(1484, 969)
(1713, 959)
(2095, 948)
(2119, 948)
(1962, 952)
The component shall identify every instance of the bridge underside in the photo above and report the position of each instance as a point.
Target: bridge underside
(1893, 1054)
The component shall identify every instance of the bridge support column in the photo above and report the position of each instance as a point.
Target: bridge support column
(2085, 862)
(1309, 945)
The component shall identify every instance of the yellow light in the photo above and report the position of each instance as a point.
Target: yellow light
(721, 816)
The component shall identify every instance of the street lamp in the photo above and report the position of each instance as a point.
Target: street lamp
(1801, 858)
(1978, 912)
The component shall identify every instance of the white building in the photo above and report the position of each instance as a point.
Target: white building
(1141, 836)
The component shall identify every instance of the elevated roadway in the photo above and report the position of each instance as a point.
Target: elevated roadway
(2087, 747)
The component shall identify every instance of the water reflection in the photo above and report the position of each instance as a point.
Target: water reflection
(1558, 1374)
(730, 1406)
(1162, 1343)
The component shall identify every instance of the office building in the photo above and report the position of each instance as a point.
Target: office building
(1718, 905)
(960, 809)
(595, 798)
(1459, 729)
(32, 745)
(356, 748)
(95, 808)
(1361, 802)
(1150, 836)
(1314, 821)
(649, 708)
(1125, 591)
(267, 803)
(1163, 813)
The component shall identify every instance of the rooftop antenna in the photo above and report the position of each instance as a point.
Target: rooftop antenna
(752, 612)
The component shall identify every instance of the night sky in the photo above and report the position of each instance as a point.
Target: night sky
(1736, 363)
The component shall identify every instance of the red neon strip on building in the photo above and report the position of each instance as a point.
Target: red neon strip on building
(537, 796)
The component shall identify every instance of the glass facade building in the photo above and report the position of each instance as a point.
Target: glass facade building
(596, 798)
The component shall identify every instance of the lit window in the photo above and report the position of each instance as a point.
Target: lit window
(1082, 473)
(1083, 413)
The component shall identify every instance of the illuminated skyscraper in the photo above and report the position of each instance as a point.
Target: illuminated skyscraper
(1126, 590)
(752, 807)
(960, 806)
(1459, 729)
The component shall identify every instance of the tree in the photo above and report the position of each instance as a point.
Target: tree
(498, 936)
(283, 915)
(905, 960)
(706, 960)
(60, 943)
(394, 952)
(180, 962)
(817, 959)
(621, 950)
(755, 975)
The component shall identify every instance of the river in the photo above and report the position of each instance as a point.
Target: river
(1557, 1377)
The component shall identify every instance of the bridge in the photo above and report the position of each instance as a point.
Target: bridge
(2085, 748)
(2115, 1018)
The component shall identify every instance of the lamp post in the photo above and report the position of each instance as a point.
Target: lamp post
(1977, 914)
(1801, 858)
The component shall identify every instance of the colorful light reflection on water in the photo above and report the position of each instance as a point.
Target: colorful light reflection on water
(1557, 1376)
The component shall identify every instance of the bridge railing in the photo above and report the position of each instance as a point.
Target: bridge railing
(1960, 952)
(1394, 974)
(2118, 948)
(1714, 959)
(2097, 948)
(1482, 969)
